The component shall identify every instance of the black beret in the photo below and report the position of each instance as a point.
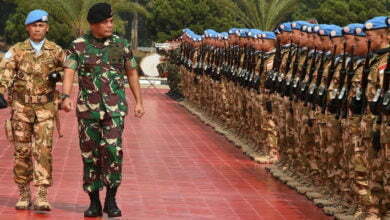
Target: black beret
(99, 12)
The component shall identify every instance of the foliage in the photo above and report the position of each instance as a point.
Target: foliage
(168, 18)
(341, 12)
(67, 18)
(261, 14)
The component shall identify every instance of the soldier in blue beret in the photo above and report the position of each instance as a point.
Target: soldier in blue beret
(30, 66)
(377, 30)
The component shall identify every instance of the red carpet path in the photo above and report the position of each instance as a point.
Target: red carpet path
(175, 167)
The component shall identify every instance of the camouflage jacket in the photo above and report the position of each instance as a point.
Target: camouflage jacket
(27, 73)
(376, 75)
(101, 66)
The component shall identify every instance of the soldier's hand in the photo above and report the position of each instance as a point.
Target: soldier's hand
(139, 110)
(67, 105)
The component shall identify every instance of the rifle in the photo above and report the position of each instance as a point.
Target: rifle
(305, 90)
(270, 82)
(297, 84)
(385, 107)
(304, 85)
(320, 72)
(359, 101)
(290, 87)
(289, 58)
(257, 79)
(323, 91)
(343, 97)
(334, 104)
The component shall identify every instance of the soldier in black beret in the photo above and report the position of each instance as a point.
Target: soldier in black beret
(104, 62)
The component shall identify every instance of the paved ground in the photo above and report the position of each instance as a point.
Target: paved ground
(175, 168)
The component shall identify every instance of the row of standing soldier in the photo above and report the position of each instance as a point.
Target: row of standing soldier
(314, 99)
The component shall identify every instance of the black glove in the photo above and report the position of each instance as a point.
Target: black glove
(54, 77)
(3, 102)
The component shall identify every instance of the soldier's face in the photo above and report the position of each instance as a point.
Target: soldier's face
(339, 43)
(317, 41)
(379, 38)
(303, 40)
(350, 40)
(268, 44)
(103, 29)
(361, 46)
(296, 35)
(37, 31)
(326, 43)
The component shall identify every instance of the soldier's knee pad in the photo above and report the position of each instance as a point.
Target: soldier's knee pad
(22, 131)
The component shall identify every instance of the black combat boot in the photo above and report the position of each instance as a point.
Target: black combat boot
(95, 208)
(110, 206)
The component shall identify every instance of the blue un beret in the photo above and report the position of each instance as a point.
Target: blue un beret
(377, 23)
(324, 30)
(335, 31)
(243, 32)
(232, 30)
(285, 27)
(35, 16)
(254, 33)
(306, 27)
(210, 33)
(297, 25)
(269, 35)
(354, 29)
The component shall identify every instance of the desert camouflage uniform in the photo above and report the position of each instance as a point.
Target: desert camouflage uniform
(33, 109)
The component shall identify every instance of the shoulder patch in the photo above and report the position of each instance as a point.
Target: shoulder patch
(8, 55)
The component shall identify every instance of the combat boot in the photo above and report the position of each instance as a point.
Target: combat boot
(41, 202)
(110, 206)
(95, 207)
(24, 201)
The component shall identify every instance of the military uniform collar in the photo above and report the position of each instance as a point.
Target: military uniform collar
(286, 46)
(270, 52)
(98, 42)
(382, 51)
(47, 45)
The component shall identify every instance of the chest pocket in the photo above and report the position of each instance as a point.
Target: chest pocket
(116, 57)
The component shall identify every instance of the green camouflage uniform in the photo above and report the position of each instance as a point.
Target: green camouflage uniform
(33, 109)
(101, 106)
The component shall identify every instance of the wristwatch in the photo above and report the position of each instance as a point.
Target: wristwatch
(63, 96)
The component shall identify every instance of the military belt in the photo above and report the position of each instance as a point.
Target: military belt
(34, 99)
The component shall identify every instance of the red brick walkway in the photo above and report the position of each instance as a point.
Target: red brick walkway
(175, 168)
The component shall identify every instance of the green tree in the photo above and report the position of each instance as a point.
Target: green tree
(261, 14)
(168, 18)
(7, 9)
(305, 9)
(15, 30)
(67, 18)
(341, 12)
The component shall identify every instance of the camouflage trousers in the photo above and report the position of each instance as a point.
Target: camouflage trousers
(101, 152)
(386, 154)
(33, 126)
